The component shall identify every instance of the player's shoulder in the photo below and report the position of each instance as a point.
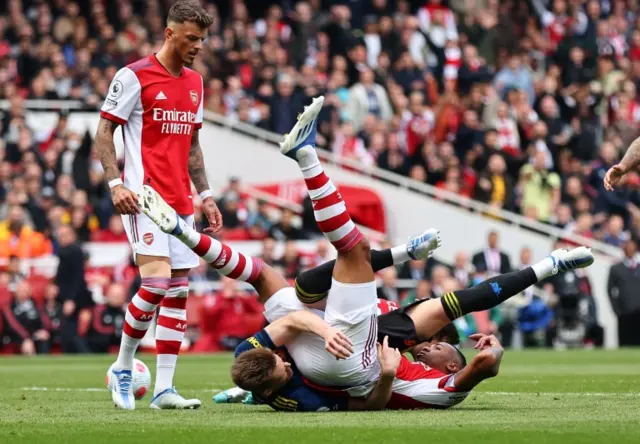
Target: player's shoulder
(140, 65)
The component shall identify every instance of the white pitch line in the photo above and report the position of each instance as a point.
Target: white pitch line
(88, 389)
(624, 394)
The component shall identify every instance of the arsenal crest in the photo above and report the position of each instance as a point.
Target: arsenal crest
(148, 238)
(194, 97)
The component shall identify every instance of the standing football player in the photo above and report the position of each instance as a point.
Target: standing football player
(158, 102)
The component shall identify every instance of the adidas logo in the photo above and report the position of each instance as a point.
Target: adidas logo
(161, 96)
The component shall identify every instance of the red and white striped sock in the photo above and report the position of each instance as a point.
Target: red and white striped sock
(220, 256)
(170, 329)
(329, 209)
(138, 318)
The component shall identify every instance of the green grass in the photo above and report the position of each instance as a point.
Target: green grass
(539, 397)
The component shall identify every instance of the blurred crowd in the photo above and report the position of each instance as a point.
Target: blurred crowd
(522, 105)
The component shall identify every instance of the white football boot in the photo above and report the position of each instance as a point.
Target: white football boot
(169, 399)
(155, 207)
(303, 132)
(423, 246)
(234, 395)
(565, 260)
(121, 386)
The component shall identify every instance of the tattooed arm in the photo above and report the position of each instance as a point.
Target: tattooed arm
(199, 178)
(196, 164)
(124, 200)
(629, 162)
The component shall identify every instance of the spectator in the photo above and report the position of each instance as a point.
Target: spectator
(515, 76)
(259, 222)
(14, 274)
(268, 251)
(540, 189)
(291, 262)
(494, 186)
(113, 233)
(52, 309)
(624, 279)
(614, 232)
(107, 320)
(415, 270)
(27, 327)
(439, 277)
(70, 279)
(367, 97)
(388, 290)
(462, 269)
(18, 239)
(492, 260)
(421, 292)
(285, 228)
(228, 318)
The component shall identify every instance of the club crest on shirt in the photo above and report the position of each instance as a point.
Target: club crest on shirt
(194, 97)
(148, 238)
(116, 89)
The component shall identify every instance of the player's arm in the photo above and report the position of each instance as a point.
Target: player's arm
(285, 330)
(123, 96)
(630, 161)
(484, 365)
(389, 362)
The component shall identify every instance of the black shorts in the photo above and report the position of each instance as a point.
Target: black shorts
(401, 330)
(399, 327)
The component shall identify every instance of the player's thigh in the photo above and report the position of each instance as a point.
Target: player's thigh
(428, 317)
(182, 257)
(354, 266)
(351, 303)
(149, 244)
(283, 302)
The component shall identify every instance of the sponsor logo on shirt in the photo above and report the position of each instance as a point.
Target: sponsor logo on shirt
(174, 121)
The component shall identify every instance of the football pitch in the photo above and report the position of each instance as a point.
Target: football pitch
(539, 397)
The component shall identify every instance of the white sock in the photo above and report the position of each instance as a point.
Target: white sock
(307, 158)
(165, 370)
(189, 236)
(543, 269)
(400, 254)
(128, 347)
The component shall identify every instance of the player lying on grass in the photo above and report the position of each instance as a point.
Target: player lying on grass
(351, 301)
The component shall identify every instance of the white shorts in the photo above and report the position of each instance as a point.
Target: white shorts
(352, 309)
(148, 239)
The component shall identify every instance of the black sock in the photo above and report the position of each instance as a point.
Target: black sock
(314, 284)
(487, 294)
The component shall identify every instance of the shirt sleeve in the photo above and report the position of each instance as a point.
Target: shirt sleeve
(199, 114)
(124, 93)
(259, 340)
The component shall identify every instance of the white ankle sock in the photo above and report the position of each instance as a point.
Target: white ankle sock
(165, 369)
(128, 347)
(399, 254)
(543, 269)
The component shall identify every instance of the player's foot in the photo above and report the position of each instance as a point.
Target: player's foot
(122, 389)
(248, 400)
(423, 246)
(230, 396)
(169, 399)
(565, 260)
(303, 132)
(154, 206)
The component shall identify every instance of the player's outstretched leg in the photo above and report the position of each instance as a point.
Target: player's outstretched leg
(313, 285)
(138, 318)
(219, 256)
(430, 316)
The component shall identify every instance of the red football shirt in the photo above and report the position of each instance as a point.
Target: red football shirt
(159, 114)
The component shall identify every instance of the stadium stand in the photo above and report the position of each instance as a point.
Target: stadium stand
(522, 105)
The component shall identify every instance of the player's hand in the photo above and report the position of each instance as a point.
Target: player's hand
(484, 341)
(338, 344)
(613, 176)
(389, 358)
(213, 215)
(125, 200)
